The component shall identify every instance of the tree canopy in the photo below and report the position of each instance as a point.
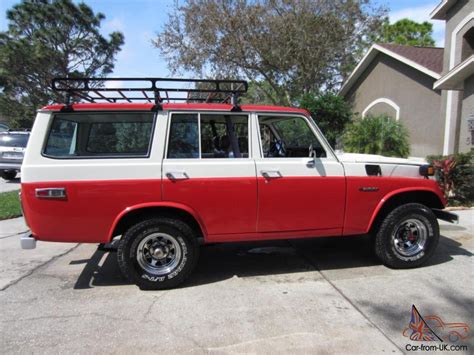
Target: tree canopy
(47, 39)
(285, 47)
(406, 32)
(331, 113)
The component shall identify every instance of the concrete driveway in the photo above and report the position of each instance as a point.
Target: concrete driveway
(10, 185)
(323, 295)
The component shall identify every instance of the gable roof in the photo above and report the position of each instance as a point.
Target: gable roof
(428, 60)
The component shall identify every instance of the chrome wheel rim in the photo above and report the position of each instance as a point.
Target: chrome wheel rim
(409, 237)
(159, 253)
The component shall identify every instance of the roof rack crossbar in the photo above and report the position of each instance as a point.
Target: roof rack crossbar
(154, 90)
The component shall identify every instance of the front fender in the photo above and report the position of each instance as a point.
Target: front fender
(399, 192)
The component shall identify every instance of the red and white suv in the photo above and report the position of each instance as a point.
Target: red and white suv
(164, 177)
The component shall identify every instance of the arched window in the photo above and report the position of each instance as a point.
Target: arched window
(468, 44)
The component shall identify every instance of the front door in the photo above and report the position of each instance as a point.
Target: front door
(207, 168)
(297, 192)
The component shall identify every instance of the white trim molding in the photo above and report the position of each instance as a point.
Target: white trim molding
(439, 13)
(384, 101)
(452, 64)
(454, 35)
(454, 79)
(370, 55)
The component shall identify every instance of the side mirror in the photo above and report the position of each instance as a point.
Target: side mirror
(312, 152)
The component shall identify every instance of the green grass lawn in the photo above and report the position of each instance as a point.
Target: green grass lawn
(9, 205)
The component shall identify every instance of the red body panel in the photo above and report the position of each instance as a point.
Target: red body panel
(362, 207)
(301, 203)
(225, 205)
(226, 208)
(89, 210)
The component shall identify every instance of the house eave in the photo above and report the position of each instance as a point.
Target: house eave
(367, 59)
(439, 12)
(454, 79)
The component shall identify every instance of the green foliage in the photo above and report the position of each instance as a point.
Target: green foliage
(377, 135)
(293, 46)
(331, 113)
(455, 175)
(46, 39)
(9, 205)
(406, 32)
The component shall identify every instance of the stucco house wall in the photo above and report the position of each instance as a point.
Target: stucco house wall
(455, 104)
(388, 86)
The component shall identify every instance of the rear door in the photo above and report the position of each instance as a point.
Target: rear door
(207, 167)
(295, 191)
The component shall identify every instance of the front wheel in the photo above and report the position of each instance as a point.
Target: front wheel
(407, 237)
(158, 253)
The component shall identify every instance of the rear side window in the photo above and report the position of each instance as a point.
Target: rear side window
(100, 135)
(207, 136)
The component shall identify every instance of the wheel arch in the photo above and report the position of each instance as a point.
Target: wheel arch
(424, 196)
(138, 212)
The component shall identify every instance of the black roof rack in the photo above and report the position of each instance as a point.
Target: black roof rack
(153, 90)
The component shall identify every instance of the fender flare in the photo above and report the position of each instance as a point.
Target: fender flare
(178, 206)
(393, 193)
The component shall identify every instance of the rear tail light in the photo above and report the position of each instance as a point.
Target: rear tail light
(51, 193)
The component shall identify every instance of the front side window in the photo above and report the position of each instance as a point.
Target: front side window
(100, 135)
(288, 137)
(219, 136)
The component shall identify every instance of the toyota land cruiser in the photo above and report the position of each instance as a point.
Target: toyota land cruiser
(161, 177)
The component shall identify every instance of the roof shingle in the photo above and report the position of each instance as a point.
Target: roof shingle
(429, 57)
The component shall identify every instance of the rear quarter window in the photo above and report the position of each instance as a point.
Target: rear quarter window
(96, 135)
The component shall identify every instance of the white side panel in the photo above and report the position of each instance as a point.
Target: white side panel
(37, 168)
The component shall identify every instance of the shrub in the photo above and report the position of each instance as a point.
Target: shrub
(455, 175)
(377, 135)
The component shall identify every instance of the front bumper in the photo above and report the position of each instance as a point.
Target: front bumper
(446, 216)
(27, 241)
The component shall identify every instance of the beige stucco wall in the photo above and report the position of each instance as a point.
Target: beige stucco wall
(465, 143)
(412, 91)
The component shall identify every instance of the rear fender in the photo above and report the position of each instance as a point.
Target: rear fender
(164, 204)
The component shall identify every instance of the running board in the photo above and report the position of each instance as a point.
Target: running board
(446, 216)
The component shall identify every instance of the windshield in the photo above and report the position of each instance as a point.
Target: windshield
(14, 140)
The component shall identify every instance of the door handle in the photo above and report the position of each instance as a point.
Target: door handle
(271, 174)
(177, 175)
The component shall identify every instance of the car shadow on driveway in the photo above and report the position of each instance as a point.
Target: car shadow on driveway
(219, 262)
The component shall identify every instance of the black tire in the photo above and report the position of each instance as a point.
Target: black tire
(171, 237)
(9, 174)
(407, 237)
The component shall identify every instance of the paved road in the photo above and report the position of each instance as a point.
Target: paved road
(6, 185)
(322, 295)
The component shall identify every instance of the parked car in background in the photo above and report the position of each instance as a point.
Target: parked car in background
(12, 151)
(4, 127)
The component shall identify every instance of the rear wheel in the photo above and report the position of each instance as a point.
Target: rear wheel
(158, 253)
(407, 237)
(9, 174)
